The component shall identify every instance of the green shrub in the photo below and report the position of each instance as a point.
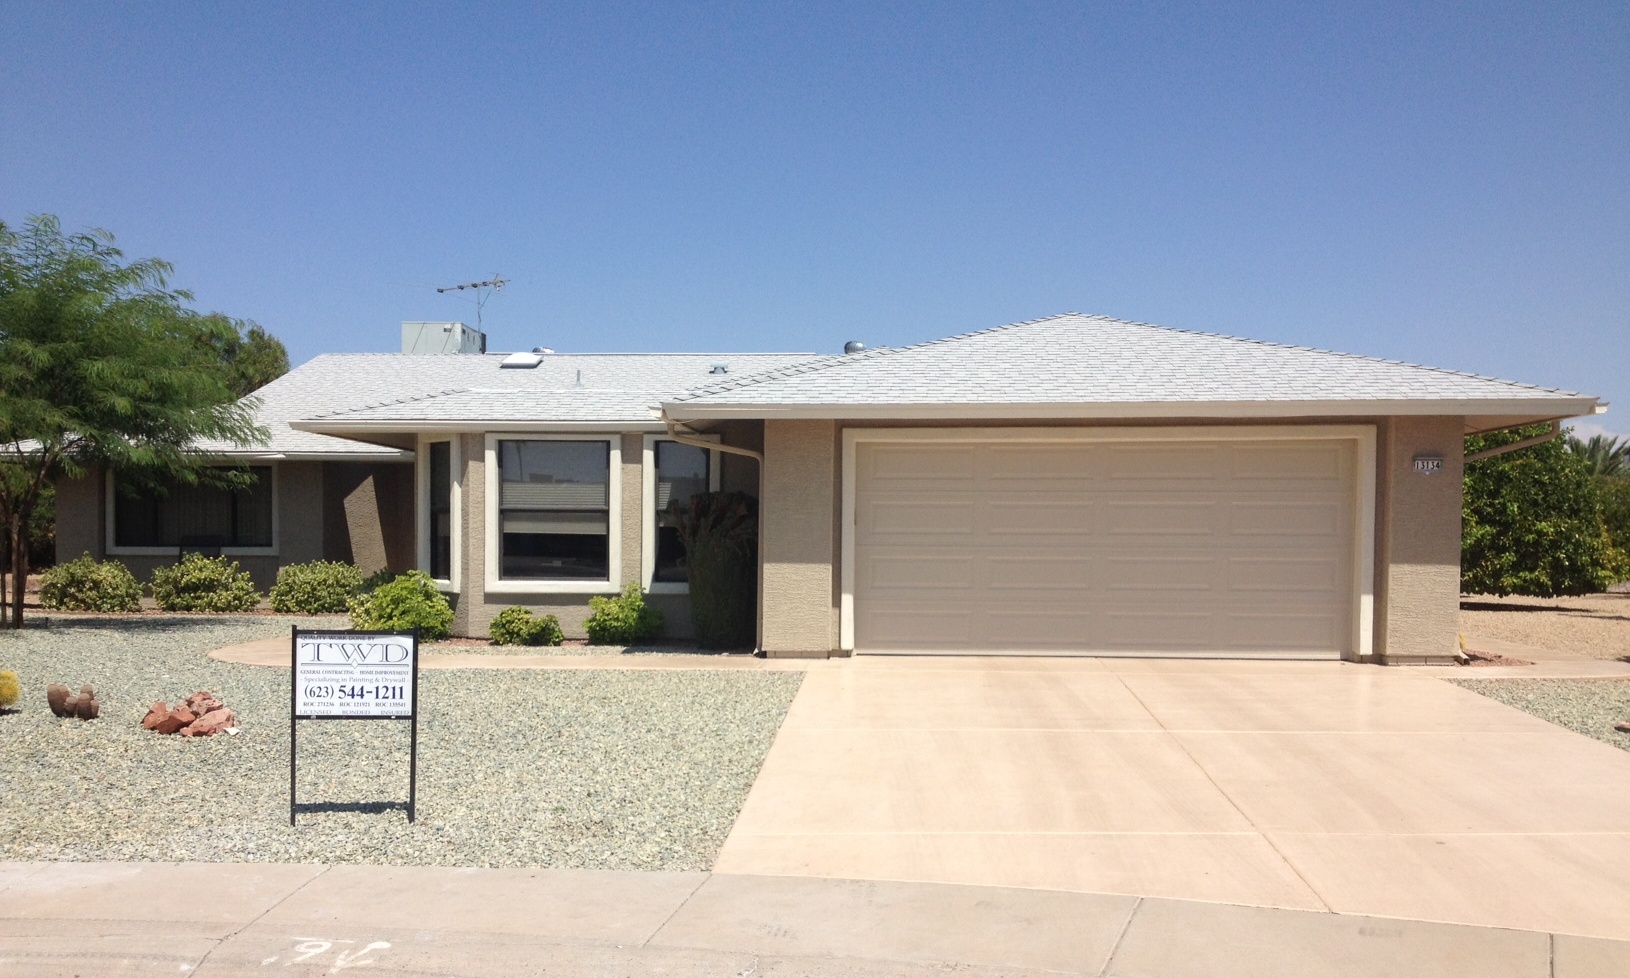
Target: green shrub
(1616, 509)
(370, 584)
(518, 626)
(200, 583)
(10, 690)
(87, 584)
(1533, 521)
(315, 588)
(622, 620)
(401, 605)
(720, 534)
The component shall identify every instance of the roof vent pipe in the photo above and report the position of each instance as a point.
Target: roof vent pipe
(854, 346)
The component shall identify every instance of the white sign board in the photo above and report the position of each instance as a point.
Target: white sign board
(353, 674)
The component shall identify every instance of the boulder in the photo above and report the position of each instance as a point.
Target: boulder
(156, 715)
(209, 724)
(57, 695)
(175, 720)
(82, 704)
(85, 705)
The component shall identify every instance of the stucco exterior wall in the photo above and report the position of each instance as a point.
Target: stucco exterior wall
(797, 546)
(368, 515)
(470, 618)
(81, 527)
(1418, 541)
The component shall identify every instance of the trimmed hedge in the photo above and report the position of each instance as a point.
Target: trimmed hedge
(518, 626)
(622, 620)
(315, 588)
(720, 534)
(87, 584)
(408, 602)
(200, 583)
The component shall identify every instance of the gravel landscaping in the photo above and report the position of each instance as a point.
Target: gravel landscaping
(1592, 626)
(1587, 706)
(611, 769)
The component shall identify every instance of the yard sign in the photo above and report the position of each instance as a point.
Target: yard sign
(346, 675)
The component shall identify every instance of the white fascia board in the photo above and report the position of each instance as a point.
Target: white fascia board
(265, 456)
(341, 429)
(1547, 407)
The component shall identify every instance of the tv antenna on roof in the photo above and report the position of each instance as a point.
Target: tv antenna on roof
(483, 292)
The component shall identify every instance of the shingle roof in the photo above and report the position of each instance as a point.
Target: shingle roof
(1076, 359)
(616, 387)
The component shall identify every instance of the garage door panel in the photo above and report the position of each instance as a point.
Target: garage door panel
(1172, 572)
(1287, 573)
(1041, 572)
(919, 516)
(1226, 547)
(881, 573)
(1160, 518)
(1287, 518)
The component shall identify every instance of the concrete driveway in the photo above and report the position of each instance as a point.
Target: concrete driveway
(1324, 786)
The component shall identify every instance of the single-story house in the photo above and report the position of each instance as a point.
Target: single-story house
(1076, 484)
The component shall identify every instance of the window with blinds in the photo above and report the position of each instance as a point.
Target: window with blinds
(682, 472)
(203, 517)
(554, 507)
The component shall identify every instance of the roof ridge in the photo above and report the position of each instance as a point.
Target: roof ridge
(811, 366)
(389, 403)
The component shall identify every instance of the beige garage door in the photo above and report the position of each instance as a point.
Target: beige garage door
(1239, 547)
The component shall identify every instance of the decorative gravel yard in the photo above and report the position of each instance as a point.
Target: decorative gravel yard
(611, 769)
(1587, 706)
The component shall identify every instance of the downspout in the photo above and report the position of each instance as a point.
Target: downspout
(1556, 430)
(691, 438)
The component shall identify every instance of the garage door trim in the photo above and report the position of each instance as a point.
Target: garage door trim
(1363, 599)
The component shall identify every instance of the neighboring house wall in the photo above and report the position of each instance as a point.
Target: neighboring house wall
(1418, 541)
(306, 507)
(797, 545)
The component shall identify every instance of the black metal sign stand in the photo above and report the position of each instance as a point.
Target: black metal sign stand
(294, 712)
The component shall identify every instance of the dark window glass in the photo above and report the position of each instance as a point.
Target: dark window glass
(441, 510)
(682, 472)
(554, 510)
(202, 517)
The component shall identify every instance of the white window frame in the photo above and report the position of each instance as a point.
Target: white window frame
(452, 584)
(1362, 632)
(648, 506)
(111, 531)
(495, 584)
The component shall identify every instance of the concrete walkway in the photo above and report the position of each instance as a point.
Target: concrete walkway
(228, 920)
(1320, 786)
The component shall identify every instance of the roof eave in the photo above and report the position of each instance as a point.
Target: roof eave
(1535, 408)
(362, 429)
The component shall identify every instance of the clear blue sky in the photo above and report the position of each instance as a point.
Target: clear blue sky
(1447, 185)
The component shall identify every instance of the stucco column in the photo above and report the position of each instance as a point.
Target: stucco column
(472, 556)
(1418, 560)
(796, 545)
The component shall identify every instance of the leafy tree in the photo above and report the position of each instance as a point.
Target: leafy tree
(1533, 521)
(1604, 454)
(100, 365)
(253, 357)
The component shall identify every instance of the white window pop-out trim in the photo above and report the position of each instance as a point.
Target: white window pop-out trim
(110, 532)
(454, 583)
(495, 584)
(1362, 635)
(648, 506)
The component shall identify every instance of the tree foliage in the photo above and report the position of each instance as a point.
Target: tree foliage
(1533, 521)
(102, 366)
(251, 356)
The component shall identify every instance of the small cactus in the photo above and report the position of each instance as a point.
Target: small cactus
(10, 690)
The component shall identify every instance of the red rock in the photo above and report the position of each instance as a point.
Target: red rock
(209, 724)
(175, 720)
(156, 715)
